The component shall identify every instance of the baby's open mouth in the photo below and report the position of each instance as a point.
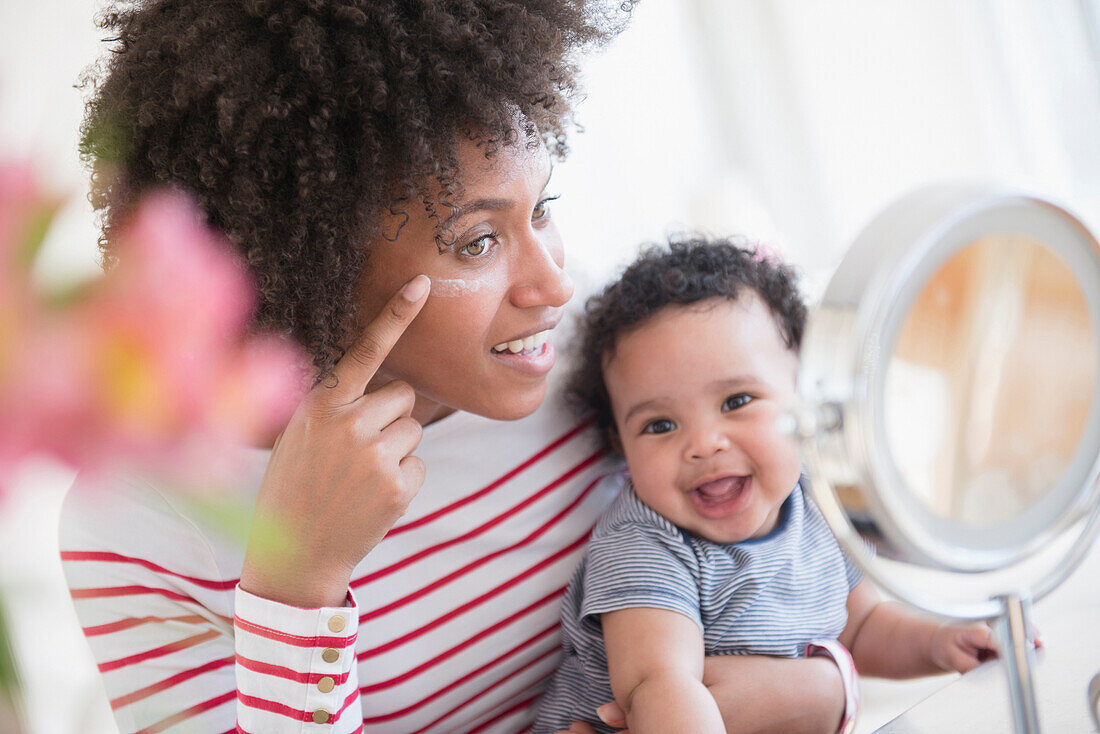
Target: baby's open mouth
(530, 344)
(720, 491)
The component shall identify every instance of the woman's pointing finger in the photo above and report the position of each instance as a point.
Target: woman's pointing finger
(363, 358)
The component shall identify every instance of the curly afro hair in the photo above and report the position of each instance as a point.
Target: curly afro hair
(686, 271)
(296, 124)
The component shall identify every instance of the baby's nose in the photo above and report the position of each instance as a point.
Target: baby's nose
(707, 442)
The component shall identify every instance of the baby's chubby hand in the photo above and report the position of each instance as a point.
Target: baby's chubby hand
(962, 647)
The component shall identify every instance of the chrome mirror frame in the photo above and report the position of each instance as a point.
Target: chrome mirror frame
(947, 568)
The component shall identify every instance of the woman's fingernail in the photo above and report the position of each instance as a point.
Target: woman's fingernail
(602, 713)
(415, 289)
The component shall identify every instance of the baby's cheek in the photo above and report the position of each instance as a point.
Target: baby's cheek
(782, 446)
(789, 458)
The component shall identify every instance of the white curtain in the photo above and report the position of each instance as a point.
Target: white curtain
(828, 110)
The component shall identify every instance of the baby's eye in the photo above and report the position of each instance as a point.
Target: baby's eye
(478, 247)
(542, 209)
(733, 402)
(661, 425)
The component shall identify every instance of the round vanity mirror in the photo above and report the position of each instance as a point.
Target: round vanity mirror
(950, 382)
(988, 388)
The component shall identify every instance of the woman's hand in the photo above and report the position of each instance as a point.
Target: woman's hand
(340, 474)
(610, 714)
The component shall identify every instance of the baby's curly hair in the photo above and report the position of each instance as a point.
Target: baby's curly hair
(687, 270)
(297, 124)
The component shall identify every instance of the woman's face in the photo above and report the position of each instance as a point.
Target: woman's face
(500, 283)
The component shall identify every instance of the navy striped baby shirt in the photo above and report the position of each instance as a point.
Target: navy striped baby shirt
(764, 596)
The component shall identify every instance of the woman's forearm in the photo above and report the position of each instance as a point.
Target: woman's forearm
(764, 695)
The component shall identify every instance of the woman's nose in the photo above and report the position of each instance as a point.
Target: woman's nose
(542, 278)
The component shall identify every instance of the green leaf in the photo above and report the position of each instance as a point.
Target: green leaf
(34, 235)
(10, 684)
(62, 296)
(229, 515)
(232, 515)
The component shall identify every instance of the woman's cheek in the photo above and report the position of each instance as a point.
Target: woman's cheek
(465, 309)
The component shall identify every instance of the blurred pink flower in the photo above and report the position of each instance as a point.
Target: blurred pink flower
(24, 211)
(152, 363)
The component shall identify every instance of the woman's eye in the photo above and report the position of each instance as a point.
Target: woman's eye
(542, 209)
(662, 425)
(478, 247)
(733, 402)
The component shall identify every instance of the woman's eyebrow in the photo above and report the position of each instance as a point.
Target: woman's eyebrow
(477, 205)
(489, 204)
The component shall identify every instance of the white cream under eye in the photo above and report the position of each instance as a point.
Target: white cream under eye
(458, 287)
(453, 287)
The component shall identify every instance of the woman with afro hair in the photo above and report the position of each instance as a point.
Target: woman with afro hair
(383, 168)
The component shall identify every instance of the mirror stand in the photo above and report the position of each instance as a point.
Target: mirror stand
(1019, 659)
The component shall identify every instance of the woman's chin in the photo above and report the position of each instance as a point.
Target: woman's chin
(507, 406)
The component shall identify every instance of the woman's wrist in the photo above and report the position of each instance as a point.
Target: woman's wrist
(311, 589)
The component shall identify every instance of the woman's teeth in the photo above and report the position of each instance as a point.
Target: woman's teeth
(535, 341)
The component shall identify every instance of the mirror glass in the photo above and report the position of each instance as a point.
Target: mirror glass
(990, 381)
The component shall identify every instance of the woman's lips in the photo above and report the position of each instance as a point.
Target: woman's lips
(722, 497)
(535, 362)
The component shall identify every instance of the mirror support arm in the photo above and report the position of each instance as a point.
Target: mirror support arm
(1019, 658)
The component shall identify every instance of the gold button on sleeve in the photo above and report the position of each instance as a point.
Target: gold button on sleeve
(326, 684)
(320, 716)
(336, 624)
(330, 655)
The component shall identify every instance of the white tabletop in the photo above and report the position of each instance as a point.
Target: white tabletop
(1068, 621)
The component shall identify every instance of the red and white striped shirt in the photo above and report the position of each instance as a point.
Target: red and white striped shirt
(457, 614)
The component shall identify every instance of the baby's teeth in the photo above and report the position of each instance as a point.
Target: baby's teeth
(515, 346)
(541, 337)
(529, 343)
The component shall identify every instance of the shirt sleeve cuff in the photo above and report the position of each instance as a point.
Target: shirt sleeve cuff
(296, 667)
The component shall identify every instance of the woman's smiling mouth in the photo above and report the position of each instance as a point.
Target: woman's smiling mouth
(533, 355)
(527, 345)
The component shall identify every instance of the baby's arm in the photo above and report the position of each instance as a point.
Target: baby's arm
(888, 641)
(655, 660)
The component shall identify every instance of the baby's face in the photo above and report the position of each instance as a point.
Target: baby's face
(696, 392)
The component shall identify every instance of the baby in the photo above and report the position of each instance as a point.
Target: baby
(712, 548)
